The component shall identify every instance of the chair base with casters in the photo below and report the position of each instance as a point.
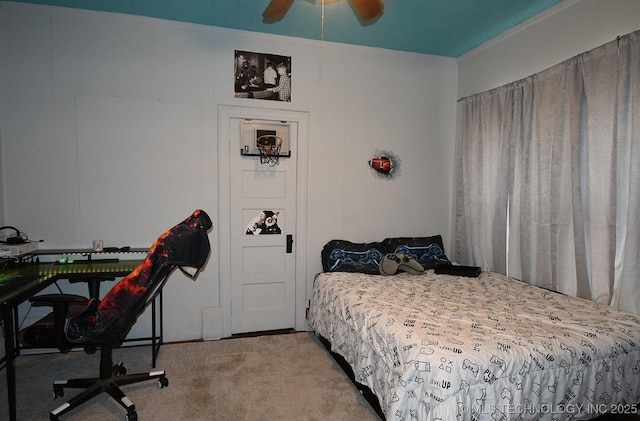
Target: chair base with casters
(111, 377)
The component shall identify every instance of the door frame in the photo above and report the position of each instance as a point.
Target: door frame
(225, 114)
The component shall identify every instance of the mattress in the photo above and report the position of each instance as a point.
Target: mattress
(441, 347)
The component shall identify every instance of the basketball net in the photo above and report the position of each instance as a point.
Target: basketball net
(269, 147)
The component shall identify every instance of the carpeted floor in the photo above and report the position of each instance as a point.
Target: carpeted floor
(273, 377)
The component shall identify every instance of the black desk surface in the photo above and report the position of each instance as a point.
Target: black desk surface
(87, 252)
(14, 285)
(20, 281)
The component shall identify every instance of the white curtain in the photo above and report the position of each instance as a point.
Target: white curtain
(482, 166)
(547, 177)
(626, 286)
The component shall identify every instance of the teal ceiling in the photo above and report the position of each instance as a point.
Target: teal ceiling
(441, 27)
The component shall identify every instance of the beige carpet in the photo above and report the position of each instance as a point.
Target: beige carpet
(273, 377)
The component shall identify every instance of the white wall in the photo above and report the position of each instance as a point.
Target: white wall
(563, 31)
(108, 131)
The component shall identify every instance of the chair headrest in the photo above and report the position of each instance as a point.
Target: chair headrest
(187, 244)
(199, 219)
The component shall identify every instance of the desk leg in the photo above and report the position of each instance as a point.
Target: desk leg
(154, 351)
(9, 349)
(156, 340)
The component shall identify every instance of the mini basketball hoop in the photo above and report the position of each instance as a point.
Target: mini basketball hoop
(269, 146)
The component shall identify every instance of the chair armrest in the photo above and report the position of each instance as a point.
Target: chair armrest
(63, 306)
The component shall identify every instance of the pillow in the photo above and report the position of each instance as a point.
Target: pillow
(428, 251)
(345, 256)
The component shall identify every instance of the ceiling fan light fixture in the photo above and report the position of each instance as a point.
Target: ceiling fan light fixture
(276, 9)
(367, 9)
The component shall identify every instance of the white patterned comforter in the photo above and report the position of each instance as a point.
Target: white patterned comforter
(439, 347)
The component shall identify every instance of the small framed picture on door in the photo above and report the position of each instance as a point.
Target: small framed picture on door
(264, 222)
(262, 76)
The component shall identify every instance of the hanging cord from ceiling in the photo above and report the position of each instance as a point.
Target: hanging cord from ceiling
(321, 38)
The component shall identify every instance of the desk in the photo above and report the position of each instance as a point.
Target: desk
(22, 281)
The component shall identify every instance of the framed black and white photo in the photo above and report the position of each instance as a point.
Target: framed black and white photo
(262, 76)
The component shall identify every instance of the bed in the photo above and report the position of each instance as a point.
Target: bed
(442, 347)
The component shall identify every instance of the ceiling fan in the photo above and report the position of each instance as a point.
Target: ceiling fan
(365, 9)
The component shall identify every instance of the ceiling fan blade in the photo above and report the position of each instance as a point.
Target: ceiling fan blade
(276, 9)
(367, 9)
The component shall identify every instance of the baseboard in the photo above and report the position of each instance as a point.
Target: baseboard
(262, 333)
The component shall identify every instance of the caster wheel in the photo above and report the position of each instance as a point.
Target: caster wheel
(132, 416)
(58, 392)
(163, 382)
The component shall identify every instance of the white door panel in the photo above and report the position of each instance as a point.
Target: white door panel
(263, 287)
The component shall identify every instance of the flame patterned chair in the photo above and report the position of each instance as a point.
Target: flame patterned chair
(104, 324)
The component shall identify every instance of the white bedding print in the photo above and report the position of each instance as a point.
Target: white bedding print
(440, 347)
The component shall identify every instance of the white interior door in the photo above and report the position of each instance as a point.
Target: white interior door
(262, 232)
